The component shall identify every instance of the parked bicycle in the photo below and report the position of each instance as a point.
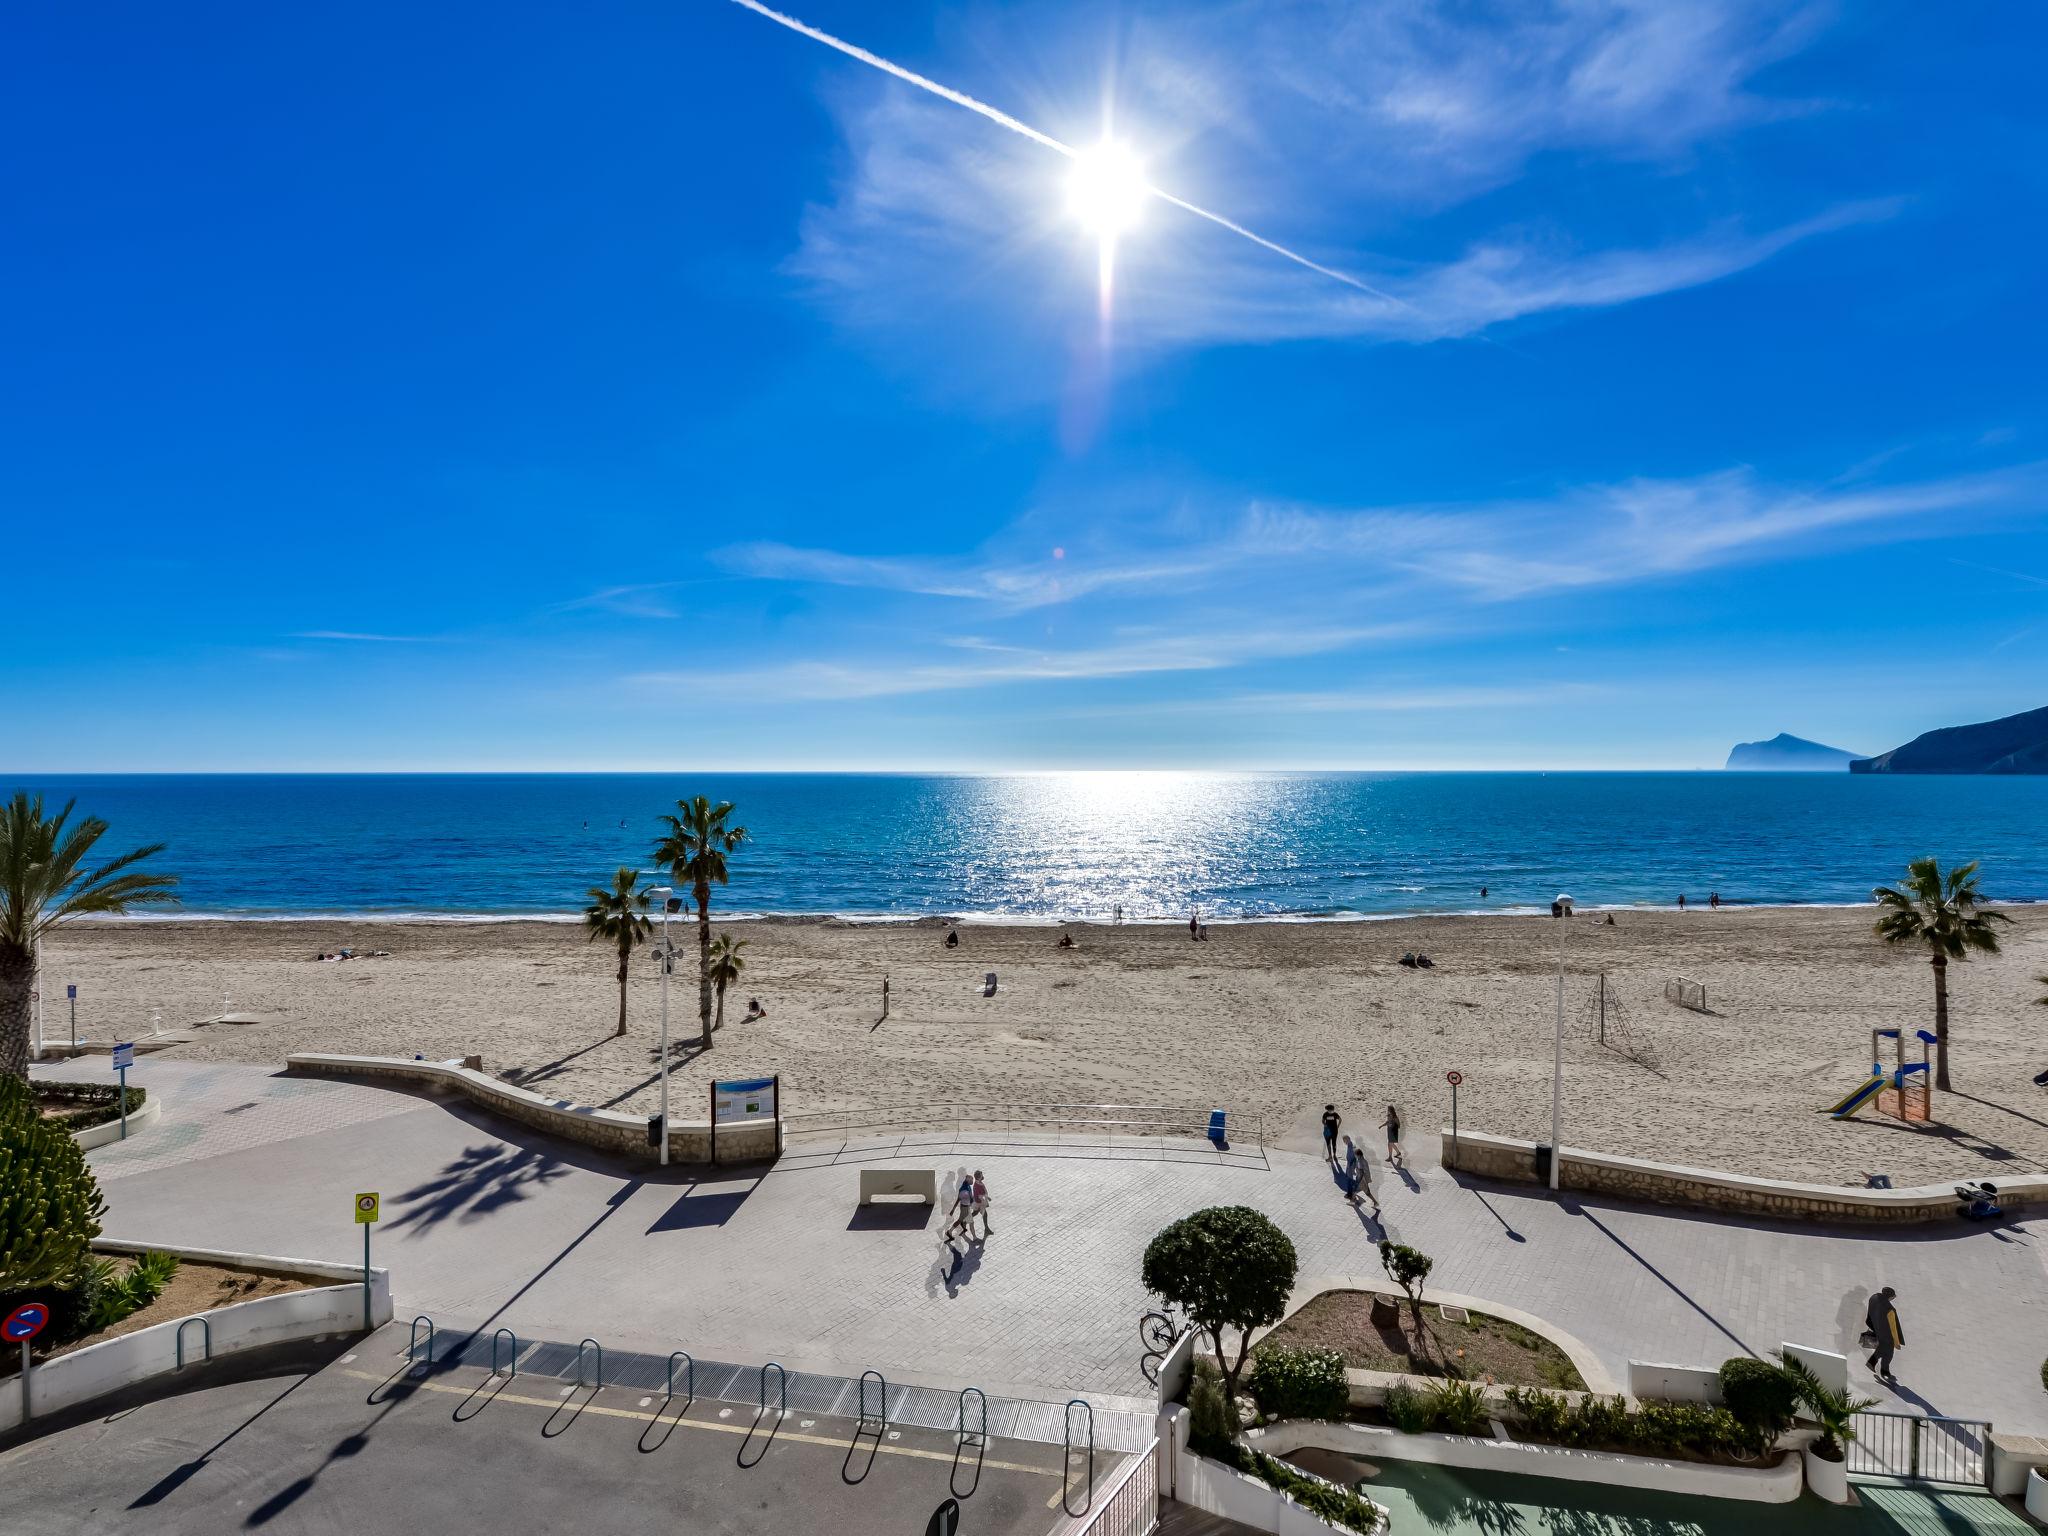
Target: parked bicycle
(1160, 1330)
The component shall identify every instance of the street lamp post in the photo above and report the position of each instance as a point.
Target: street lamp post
(1560, 911)
(667, 893)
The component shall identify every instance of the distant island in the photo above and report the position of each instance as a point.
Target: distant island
(2016, 744)
(1785, 753)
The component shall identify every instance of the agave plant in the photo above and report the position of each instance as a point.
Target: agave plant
(1939, 912)
(47, 877)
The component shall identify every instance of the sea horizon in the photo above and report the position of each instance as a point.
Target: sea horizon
(1043, 847)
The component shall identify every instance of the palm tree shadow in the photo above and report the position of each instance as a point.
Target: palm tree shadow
(483, 1179)
(527, 1077)
(680, 1054)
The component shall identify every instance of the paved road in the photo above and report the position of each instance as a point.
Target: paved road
(364, 1445)
(486, 1223)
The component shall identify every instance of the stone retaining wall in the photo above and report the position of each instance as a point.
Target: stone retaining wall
(607, 1130)
(1514, 1162)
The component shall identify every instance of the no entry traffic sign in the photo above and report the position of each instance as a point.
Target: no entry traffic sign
(1454, 1078)
(25, 1322)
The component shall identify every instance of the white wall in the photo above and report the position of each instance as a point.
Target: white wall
(1831, 1368)
(99, 1135)
(1673, 1383)
(101, 1368)
(1766, 1485)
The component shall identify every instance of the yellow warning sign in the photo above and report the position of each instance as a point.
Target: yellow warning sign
(366, 1209)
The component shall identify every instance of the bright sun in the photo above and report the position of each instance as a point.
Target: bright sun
(1106, 191)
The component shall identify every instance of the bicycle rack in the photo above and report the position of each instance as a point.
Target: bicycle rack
(690, 1373)
(205, 1340)
(782, 1384)
(412, 1342)
(505, 1333)
(980, 1436)
(590, 1344)
(1082, 1404)
(881, 1420)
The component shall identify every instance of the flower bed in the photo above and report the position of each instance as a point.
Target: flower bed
(1480, 1347)
(80, 1106)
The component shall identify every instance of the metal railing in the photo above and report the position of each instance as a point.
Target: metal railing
(782, 1387)
(412, 1342)
(590, 1346)
(1920, 1448)
(1130, 1505)
(1067, 1457)
(880, 1417)
(513, 1362)
(690, 1373)
(1130, 1119)
(978, 1436)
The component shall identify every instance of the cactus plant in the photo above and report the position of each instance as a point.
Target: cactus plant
(50, 1204)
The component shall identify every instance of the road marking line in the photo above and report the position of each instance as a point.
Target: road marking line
(722, 1429)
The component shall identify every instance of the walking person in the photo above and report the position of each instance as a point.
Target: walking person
(981, 1202)
(1393, 1125)
(1332, 1123)
(1885, 1333)
(1358, 1174)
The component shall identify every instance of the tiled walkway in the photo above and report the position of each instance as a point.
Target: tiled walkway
(488, 1225)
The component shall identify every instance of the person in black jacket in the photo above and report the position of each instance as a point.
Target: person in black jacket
(1331, 1122)
(1885, 1332)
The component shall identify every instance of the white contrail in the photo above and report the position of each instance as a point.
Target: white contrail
(1003, 119)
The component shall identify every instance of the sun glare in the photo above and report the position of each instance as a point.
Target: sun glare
(1106, 191)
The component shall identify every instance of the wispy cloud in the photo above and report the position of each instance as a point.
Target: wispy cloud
(371, 639)
(1320, 119)
(1337, 701)
(646, 600)
(1013, 585)
(1205, 650)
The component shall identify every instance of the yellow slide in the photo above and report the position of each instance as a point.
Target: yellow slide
(1861, 1096)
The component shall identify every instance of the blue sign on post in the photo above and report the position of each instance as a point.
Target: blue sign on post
(124, 1058)
(71, 991)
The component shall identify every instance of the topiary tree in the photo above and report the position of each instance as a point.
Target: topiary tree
(1761, 1395)
(1408, 1268)
(1226, 1267)
(50, 1204)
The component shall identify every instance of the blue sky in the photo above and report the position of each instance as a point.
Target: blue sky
(654, 386)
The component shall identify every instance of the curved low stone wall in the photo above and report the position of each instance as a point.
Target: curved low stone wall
(620, 1135)
(1512, 1161)
(99, 1135)
(1779, 1484)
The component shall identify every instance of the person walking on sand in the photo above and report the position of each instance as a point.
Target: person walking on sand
(1393, 1125)
(1885, 1333)
(1332, 1121)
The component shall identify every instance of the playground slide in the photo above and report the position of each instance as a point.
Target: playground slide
(1860, 1097)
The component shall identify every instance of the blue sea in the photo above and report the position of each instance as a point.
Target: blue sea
(1309, 846)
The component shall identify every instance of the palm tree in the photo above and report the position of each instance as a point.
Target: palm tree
(620, 915)
(1939, 911)
(44, 881)
(694, 851)
(726, 964)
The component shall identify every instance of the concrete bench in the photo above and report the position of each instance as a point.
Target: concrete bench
(921, 1182)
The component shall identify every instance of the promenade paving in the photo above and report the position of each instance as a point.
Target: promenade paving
(488, 1225)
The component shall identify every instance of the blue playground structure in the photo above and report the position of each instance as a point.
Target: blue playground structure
(1904, 1077)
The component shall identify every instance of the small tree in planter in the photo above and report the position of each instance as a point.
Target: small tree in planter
(1227, 1267)
(1408, 1268)
(1827, 1458)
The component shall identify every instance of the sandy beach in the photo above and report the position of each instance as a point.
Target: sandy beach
(1267, 1019)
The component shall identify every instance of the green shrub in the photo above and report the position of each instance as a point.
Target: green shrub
(1759, 1394)
(149, 1275)
(1209, 1415)
(1408, 1410)
(1292, 1383)
(1543, 1415)
(104, 1099)
(1601, 1421)
(1458, 1407)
